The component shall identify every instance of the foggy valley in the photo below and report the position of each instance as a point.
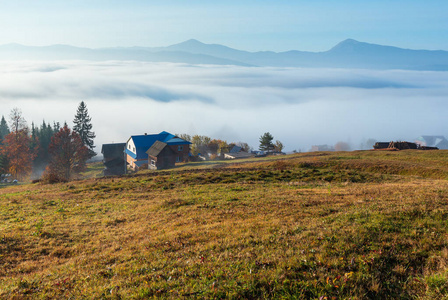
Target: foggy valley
(299, 106)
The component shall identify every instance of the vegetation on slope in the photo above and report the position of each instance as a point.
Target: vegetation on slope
(359, 225)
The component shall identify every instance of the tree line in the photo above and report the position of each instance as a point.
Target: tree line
(201, 144)
(55, 152)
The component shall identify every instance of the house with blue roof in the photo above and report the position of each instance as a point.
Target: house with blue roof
(138, 145)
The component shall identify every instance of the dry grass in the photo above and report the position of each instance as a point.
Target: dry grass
(359, 225)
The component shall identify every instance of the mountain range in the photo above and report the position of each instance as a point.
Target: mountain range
(347, 54)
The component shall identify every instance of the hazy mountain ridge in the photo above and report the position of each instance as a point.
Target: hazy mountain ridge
(347, 54)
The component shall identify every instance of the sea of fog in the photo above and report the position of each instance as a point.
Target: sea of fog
(300, 107)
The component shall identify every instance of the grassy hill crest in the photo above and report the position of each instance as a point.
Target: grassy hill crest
(359, 225)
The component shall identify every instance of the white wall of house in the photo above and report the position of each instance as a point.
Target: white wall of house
(131, 146)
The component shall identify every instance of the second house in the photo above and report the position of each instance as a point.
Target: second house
(164, 149)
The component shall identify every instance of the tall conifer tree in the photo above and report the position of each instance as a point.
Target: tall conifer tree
(266, 142)
(83, 127)
(4, 129)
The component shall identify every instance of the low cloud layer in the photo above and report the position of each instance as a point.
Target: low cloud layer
(300, 107)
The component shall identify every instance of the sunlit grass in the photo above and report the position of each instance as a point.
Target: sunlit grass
(94, 170)
(338, 225)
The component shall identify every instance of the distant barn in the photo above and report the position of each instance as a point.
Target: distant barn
(401, 146)
(381, 145)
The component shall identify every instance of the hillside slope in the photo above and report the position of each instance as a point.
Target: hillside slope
(360, 225)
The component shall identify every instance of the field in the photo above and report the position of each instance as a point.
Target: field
(343, 225)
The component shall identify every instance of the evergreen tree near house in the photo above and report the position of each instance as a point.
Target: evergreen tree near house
(4, 131)
(56, 126)
(83, 127)
(34, 138)
(45, 133)
(266, 142)
(41, 136)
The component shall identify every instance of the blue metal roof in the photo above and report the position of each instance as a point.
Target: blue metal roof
(131, 154)
(177, 141)
(236, 149)
(140, 163)
(144, 142)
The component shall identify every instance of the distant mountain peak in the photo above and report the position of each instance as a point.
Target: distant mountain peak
(198, 47)
(191, 42)
(349, 42)
(346, 44)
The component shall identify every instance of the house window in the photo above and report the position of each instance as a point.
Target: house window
(134, 149)
(178, 159)
(153, 162)
(180, 148)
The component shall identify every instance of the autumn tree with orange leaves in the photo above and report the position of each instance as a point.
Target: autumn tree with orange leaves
(16, 146)
(68, 156)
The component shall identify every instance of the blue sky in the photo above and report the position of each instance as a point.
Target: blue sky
(248, 25)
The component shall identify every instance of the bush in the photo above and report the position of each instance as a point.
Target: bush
(51, 177)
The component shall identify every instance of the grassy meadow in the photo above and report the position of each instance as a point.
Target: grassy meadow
(342, 225)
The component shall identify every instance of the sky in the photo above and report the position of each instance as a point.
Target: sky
(251, 25)
(300, 107)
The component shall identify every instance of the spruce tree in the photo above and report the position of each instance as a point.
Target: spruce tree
(42, 136)
(34, 137)
(4, 129)
(266, 142)
(83, 127)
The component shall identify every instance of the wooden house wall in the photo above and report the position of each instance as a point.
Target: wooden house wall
(165, 160)
(183, 155)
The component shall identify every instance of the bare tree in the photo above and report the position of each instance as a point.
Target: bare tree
(278, 146)
(17, 121)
